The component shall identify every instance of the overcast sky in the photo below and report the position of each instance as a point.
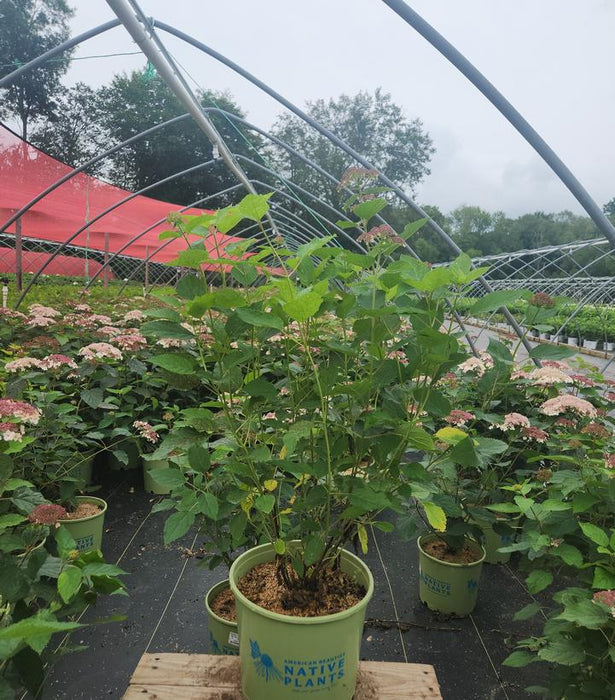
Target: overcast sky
(553, 59)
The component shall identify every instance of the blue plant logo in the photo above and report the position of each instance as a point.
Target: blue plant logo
(214, 643)
(263, 663)
(472, 584)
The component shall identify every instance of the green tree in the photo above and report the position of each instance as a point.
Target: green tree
(74, 134)
(469, 226)
(609, 207)
(135, 102)
(28, 28)
(371, 124)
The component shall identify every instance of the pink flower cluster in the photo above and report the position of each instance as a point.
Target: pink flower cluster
(567, 402)
(20, 411)
(47, 514)
(9, 432)
(547, 376)
(533, 434)
(130, 341)
(146, 431)
(49, 362)
(513, 421)
(458, 417)
(100, 351)
(473, 364)
(606, 598)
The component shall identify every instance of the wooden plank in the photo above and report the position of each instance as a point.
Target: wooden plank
(192, 676)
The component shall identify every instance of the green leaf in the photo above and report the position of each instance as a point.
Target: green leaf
(571, 555)
(65, 541)
(177, 525)
(551, 352)
(254, 206)
(226, 298)
(101, 568)
(527, 612)
(10, 520)
(178, 363)
(92, 397)
(603, 579)
(538, 580)
(435, 515)
(260, 318)
(244, 273)
(279, 546)
(362, 532)
(303, 307)
(595, 534)
(261, 388)
(365, 210)
(190, 286)
(417, 438)
(495, 300)
(191, 257)
(585, 613)
(561, 650)
(69, 582)
(518, 659)
(36, 627)
(199, 458)
(450, 435)
(264, 503)
(166, 329)
(170, 478)
(208, 505)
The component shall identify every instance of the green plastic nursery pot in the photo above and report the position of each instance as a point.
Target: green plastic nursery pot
(83, 471)
(223, 637)
(447, 587)
(149, 480)
(285, 656)
(492, 541)
(132, 452)
(87, 532)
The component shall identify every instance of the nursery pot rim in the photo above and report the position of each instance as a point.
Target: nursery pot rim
(298, 619)
(430, 536)
(87, 499)
(222, 585)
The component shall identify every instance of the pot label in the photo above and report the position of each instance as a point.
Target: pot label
(300, 675)
(233, 639)
(84, 542)
(435, 585)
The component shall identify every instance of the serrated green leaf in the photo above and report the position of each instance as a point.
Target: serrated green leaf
(178, 363)
(303, 307)
(69, 582)
(254, 206)
(495, 300)
(519, 659)
(561, 650)
(208, 505)
(264, 319)
(166, 329)
(92, 397)
(190, 286)
(362, 533)
(538, 580)
(585, 613)
(603, 579)
(595, 534)
(527, 612)
(435, 515)
(169, 478)
(177, 525)
(264, 503)
(551, 352)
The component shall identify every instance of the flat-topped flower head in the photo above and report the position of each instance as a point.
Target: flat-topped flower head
(533, 434)
(547, 376)
(56, 361)
(459, 417)
(23, 363)
(20, 411)
(40, 310)
(100, 351)
(512, 421)
(11, 432)
(606, 598)
(47, 514)
(146, 431)
(567, 402)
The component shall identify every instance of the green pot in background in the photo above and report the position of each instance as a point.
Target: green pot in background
(447, 587)
(132, 452)
(285, 656)
(88, 532)
(492, 541)
(149, 479)
(223, 635)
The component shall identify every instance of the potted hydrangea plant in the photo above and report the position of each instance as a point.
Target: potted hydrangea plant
(317, 379)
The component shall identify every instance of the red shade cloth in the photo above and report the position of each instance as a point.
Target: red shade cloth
(60, 265)
(25, 172)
